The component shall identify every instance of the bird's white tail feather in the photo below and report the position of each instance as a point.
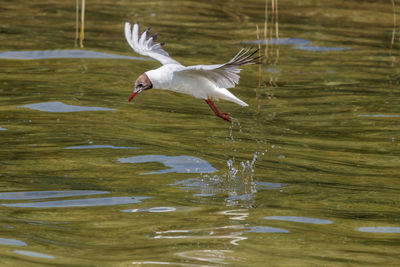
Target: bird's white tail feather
(226, 95)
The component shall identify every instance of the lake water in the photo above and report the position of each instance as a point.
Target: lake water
(307, 175)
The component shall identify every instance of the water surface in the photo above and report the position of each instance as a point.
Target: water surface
(178, 164)
(11, 242)
(61, 107)
(66, 53)
(108, 201)
(47, 194)
(307, 175)
(99, 146)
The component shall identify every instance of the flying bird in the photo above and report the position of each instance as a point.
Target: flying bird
(201, 81)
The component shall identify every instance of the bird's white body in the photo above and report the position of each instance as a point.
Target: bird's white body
(201, 81)
(170, 77)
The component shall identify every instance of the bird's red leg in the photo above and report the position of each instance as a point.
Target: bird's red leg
(224, 116)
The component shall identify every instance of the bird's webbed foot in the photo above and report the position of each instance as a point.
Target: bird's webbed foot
(224, 116)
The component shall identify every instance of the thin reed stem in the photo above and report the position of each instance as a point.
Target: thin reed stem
(277, 32)
(394, 26)
(265, 31)
(276, 22)
(259, 59)
(76, 23)
(272, 19)
(82, 35)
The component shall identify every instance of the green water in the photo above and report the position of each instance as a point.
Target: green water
(161, 179)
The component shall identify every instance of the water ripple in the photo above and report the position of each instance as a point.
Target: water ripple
(92, 202)
(155, 209)
(266, 229)
(380, 229)
(178, 164)
(298, 43)
(47, 194)
(67, 53)
(100, 146)
(380, 115)
(34, 254)
(299, 219)
(11, 242)
(61, 107)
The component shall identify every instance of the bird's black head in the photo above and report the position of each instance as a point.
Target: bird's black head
(142, 83)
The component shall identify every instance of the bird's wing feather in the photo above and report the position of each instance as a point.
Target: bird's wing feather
(223, 75)
(146, 45)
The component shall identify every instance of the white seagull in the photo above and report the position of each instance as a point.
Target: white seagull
(201, 81)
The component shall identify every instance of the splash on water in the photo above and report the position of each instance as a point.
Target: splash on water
(240, 181)
(237, 182)
(234, 121)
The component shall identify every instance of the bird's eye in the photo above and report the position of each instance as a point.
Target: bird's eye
(140, 85)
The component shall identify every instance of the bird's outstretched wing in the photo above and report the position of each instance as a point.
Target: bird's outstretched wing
(146, 45)
(223, 75)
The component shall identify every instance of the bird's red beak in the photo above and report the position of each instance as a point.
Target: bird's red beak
(133, 95)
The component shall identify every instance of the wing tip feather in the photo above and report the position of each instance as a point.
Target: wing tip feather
(145, 44)
(154, 37)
